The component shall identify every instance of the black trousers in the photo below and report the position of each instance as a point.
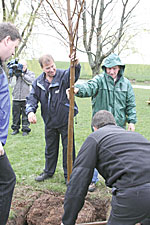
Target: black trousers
(131, 206)
(7, 184)
(18, 111)
(52, 137)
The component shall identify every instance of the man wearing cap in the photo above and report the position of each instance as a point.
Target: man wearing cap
(113, 92)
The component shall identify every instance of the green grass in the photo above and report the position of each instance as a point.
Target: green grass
(143, 110)
(137, 72)
(86, 72)
(26, 154)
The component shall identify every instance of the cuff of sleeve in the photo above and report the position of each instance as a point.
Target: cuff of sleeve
(131, 122)
(1, 143)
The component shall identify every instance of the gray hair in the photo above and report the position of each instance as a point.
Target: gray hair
(102, 118)
(45, 59)
(8, 29)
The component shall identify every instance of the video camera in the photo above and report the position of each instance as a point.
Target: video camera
(15, 68)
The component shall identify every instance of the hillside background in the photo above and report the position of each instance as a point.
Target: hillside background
(134, 72)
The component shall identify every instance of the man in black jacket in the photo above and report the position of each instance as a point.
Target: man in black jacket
(123, 159)
(50, 90)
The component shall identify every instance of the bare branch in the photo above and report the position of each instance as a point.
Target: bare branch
(57, 16)
(77, 23)
(29, 27)
(4, 10)
(74, 11)
(103, 37)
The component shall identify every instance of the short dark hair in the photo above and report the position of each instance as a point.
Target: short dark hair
(9, 29)
(45, 59)
(102, 118)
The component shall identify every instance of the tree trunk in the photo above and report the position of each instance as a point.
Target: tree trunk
(71, 108)
(70, 122)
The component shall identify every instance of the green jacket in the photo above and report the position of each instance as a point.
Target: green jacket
(117, 98)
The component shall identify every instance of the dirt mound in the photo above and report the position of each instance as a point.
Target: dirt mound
(48, 209)
(31, 207)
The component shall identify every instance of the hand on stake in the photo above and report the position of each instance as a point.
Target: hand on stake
(68, 92)
(74, 58)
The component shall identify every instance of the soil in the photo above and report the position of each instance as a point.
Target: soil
(30, 207)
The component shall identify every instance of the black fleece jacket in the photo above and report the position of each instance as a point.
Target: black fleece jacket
(121, 157)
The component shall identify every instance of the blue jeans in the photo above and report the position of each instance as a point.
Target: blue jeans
(95, 176)
(7, 184)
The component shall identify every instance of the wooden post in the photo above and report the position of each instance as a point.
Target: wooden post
(71, 108)
(70, 123)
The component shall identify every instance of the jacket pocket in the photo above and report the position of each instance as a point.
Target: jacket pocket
(63, 112)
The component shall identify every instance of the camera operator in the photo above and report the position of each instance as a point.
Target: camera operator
(24, 79)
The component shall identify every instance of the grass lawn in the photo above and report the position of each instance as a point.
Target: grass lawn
(137, 72)
(26, 154)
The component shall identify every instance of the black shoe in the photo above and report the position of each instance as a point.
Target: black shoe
(24, 134)
(43, 176)
(15, 132)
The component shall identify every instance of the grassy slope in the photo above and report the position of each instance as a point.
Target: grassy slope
(136, 72)
(26, 154)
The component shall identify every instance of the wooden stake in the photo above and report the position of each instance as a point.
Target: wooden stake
(71, 108)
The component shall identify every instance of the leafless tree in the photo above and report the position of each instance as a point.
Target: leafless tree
(105, 24)
(23, 14)
(68, 16)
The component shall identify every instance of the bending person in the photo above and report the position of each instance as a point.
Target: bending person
(122, 158)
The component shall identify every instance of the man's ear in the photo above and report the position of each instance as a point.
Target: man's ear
(6, 40)
(95, 128)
